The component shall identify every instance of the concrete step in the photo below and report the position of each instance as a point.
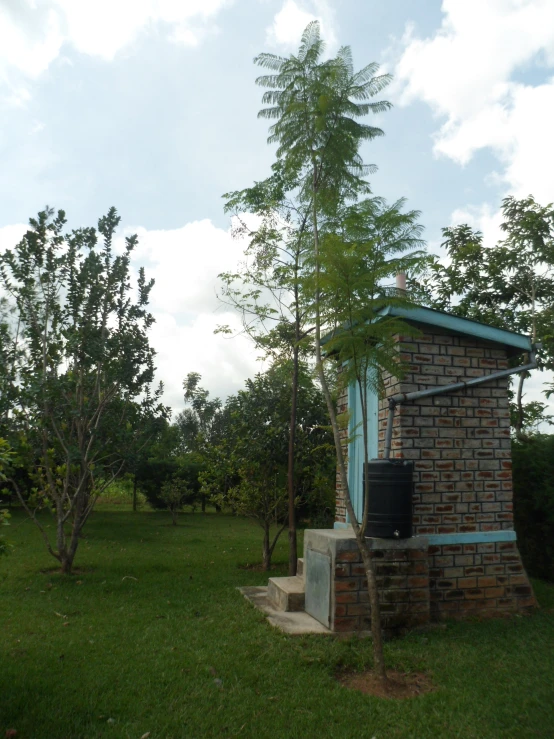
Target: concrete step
(286, 593)
(300, 567)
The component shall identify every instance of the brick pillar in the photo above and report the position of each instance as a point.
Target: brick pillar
(342, 410)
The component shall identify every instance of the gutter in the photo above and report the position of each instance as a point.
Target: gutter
(400, 398)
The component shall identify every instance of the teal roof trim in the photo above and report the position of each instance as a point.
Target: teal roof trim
(427, 316)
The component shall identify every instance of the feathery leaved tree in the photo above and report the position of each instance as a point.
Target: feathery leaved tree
(317, 106)
(360, 254)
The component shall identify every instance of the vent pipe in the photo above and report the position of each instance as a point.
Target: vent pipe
(401, 281)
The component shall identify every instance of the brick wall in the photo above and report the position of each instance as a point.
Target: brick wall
(460, 445)
(460, 442)
(403, 582)
(470, 578)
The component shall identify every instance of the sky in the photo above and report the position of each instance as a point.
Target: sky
(151, 106)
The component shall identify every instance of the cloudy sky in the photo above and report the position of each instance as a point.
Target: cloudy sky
(150, 105)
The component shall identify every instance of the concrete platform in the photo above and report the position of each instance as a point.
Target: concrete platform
(287, 593)
(290, 622)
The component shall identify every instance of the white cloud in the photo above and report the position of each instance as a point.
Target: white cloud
(32, 34)
(289, 23)
(224, 363)
(185, 263)
(482, 218)
(11, 235)
(465, 72)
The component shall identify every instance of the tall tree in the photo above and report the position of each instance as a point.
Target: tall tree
(317, 106)
(266, 292)
(83, 327)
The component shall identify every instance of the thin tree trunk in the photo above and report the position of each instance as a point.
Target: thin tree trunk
(367, 559)
(266, 553)
(293, 550)
(135, 492)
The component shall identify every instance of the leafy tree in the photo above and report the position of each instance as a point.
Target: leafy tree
(6, 457)
(159, 470)
(83, 328)
(267, 293)
(195, 423)
(175, 493)
(248, 469)
(9, 356)
(509, 285)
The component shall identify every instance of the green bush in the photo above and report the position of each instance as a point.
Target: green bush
(533, 473)
(153, 473)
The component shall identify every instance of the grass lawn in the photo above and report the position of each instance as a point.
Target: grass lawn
(152, 636)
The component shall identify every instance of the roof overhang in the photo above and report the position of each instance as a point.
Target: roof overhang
(425, 318)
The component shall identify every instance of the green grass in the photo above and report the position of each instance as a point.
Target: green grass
(153, 620)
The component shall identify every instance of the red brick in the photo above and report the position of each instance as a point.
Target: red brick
(346, 598)
(347, 585)
(348, 557)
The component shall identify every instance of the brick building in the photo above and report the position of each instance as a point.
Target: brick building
(460, 444)
(462, 559)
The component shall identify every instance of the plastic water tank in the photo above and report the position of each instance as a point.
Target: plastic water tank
(390, 498)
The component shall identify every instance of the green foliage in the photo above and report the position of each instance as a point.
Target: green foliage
(509, 285)
(533, 476)
(152, 474)
(360, 252)
(197, 424)
(247, 470)
(530, 417)
(120, 493)
(316, 105)
(175, 494)
(82, 366)
(6, 456)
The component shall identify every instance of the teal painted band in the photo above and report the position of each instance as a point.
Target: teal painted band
(460, 326)
(477, 537)
(474, 537)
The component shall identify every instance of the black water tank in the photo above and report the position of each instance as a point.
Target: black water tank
(390, 498)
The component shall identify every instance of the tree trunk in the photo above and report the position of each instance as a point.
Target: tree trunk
(266, 553)
(376, 631)
(203, 503)
(135, 492)
(293, 549)
(67, 564)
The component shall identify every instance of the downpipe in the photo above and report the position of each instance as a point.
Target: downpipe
(400, 398)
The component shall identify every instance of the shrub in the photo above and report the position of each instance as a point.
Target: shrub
(154, 473)
(533, 474)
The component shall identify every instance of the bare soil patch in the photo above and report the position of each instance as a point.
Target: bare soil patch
(400, 685)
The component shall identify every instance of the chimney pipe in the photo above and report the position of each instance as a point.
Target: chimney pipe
(401, 281)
